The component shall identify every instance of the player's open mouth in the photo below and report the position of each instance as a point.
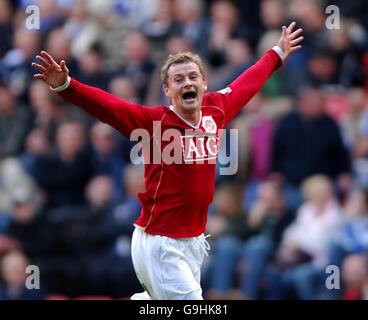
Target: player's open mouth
(189, 97)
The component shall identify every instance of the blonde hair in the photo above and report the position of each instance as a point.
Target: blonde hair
(316, 185)
(178, 58)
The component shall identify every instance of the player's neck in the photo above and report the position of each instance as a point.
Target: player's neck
(191, 117)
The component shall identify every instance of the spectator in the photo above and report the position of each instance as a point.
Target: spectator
(190, 23)
(123, 88)
(137, 65)
(352, 125)
(348, 49)
(67, 170)
(6, 27)
(268, 219)
(81, 235)
(37, 146)
(15, 65)
(307, 141)
(228, 228)
(49, 111)
(27, 225)
(273, 14)
(91, 67)
(105, 156)
(355, 277)
(158, 27)
(13, 272)
(58, 44)
(303, 252)
(82, 28)
(113, 272)
(224, 25)
(353, 235)
(13, 177)
(14, 123)
(255, 134)
(237, 56)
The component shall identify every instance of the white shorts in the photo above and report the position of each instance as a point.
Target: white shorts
(168, 268)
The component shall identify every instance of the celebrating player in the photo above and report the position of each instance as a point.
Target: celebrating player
(168, 245)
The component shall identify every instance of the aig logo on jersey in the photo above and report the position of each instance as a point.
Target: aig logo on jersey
(197, 148)
(209, 124)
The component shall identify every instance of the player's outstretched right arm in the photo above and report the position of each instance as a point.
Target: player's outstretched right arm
(120, 114)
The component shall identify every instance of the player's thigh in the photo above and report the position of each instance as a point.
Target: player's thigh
(175, 276)
(142, 258)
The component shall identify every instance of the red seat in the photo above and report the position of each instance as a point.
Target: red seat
(57, 297)
(93, 298)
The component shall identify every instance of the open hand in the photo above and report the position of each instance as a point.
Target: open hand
(289, 40)
(51, 72)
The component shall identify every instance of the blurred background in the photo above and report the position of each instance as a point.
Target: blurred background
(298, 203)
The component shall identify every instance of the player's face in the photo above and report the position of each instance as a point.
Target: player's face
(185, 87)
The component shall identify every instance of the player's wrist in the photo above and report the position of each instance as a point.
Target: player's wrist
(280, 52)
(62, 87)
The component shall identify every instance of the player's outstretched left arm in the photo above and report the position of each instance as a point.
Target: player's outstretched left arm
(241, 90)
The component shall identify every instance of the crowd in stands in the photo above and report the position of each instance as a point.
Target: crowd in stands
(298, 202)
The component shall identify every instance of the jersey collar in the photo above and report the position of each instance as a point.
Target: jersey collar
(188, 123)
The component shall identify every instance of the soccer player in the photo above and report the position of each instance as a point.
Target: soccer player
(168, 244)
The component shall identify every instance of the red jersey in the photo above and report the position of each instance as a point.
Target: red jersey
(177, 195)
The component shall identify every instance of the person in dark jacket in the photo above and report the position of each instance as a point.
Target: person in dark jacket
(307, 142)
